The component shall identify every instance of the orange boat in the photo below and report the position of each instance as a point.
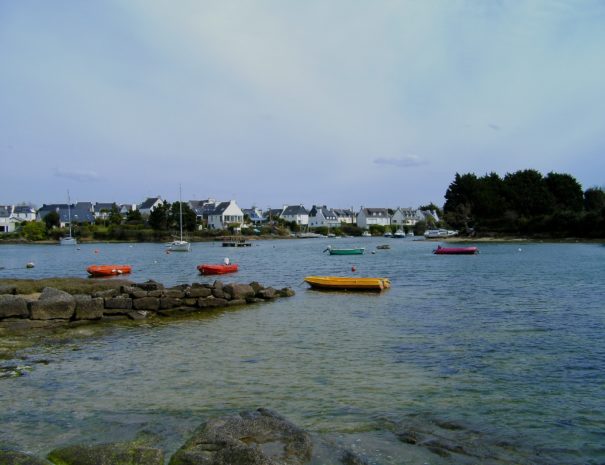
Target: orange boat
(217, 269)
(97, 271)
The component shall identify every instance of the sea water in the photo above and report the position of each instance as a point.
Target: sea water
(499, 356)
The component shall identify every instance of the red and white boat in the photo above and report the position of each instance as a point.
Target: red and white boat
(455, 250)
(97, 271)
(217, 269)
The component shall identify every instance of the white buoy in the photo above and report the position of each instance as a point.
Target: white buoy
(30, 265)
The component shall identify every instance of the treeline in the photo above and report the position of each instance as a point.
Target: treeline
(525, 203)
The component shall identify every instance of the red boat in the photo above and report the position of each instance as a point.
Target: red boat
(217, 269)
(455, 250)
(97, 271)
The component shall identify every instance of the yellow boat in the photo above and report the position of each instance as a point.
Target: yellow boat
(349, 284)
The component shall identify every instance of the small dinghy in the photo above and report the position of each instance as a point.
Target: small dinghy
(217, 269)
(97, 271)
(347, 283)
(455, 250)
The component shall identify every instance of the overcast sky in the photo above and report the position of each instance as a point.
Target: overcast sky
(339, 102)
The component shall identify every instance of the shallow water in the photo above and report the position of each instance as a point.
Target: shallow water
(506, 345)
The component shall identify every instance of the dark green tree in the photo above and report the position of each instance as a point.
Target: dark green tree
(594, 199)
(114, 215)
(52, 220)
(566, 192)
(528, 193)
(460, 201)
(189, 217)
(134, 217)
(158, 218)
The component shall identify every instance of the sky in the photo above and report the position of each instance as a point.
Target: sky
(344, 103)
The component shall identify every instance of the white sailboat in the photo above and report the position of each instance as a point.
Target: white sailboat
(179, 245)
(69, 239)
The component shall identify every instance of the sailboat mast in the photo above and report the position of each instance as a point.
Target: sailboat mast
(181, 211)
(69, 212)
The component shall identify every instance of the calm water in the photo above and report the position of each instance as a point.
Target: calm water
(509, 345)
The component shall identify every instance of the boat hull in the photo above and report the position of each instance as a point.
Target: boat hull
(98, 271)
(359, 251)
(179, 246)
(69, 240)
(456, 250)
(208, 269)
(347, 283)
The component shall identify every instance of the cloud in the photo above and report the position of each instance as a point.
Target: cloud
(495, 127)
(77, 175)
(407, 161)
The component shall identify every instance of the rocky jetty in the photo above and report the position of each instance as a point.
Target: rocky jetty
(260, 437)
(54, 307)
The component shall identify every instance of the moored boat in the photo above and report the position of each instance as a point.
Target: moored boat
(96, 271)
(383, 246)
(348, 283)
(356, 251)
(218, 268)
(455, 250)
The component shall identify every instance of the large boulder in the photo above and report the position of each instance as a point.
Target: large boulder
(261, 437)
(7, 289)
(52, 304)
(88, 308)
(238, 291)
(121, 453)
(13, 306)
(13, 457)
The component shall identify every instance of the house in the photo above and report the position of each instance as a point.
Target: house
(226, 214)
(345, 215)
(406, 217)
(79, 213)
(295, 214)
(373, 216)
(322, 216)
(202, 209)
(150, 204)
(254, 214)
(430, 216)
(8, 221)
(271, 214)
(126, 208)
(102, 210)
(24, 213)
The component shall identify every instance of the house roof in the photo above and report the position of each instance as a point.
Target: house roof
(104, 206)
(376, 212)
(24, 209)
(293, 210)
(5, 211)
(148, 203)
(220, 208)
(343, 212)
(325, 211)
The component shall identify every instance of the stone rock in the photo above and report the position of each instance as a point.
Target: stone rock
(211, 302)
(239, 291)
(174, 293)
(198, 292)
(286, 292)
(217, 284)
(156, 293)
(139, 314)
(218, 293)
(107, 294)
(117, 303)
(133, 292)
(52, 304)
(254, 300)
(268, 293)
(256, 286)
(13, 306)
(261, 437)
(6, 289)
(189, 301)
(235, 302)
(88, 308)
(129, 453)
(169, 302)
(13, 457)
(146, 303)
(150, 286)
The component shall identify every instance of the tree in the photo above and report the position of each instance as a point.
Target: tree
(34, 230)
(189, 217)
(158, 218)
(566, 191)
(528, 193)
(134, 217)
(594, 199)
(52, 220)
(114, 215)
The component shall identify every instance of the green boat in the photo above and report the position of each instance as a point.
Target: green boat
(332, 251)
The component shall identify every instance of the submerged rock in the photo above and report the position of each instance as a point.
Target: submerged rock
(121, 453)
(13, 457)
(261, 437)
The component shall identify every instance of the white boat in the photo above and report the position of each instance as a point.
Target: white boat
(68, 240)
(388, 234)
(399, 234)
(179, 245)
(366, 234)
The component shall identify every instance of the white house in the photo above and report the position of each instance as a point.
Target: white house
(371, 216)
(345, 215)
(323, 216)
(8, 222)
(406, 217)
(24, 213)
(150, 204)
(295, 213)
(225, 214)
